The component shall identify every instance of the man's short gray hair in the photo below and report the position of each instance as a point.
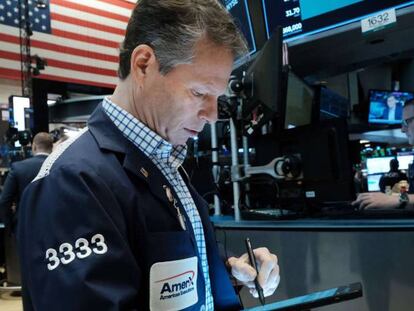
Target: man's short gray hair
(173, 27)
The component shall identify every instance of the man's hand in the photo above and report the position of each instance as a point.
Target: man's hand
(268, 277)
(369, 200)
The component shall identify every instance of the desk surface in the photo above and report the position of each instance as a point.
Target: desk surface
(225, 222)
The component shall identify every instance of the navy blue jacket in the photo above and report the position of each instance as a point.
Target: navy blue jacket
(21, 173)
(397, 114)
(104, 194)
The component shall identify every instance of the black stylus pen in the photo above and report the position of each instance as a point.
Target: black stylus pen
(252, 259)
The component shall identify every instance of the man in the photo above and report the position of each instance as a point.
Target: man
(111, 221)
(379, 199)
(393, 110)
(20, 175)
(392, 177)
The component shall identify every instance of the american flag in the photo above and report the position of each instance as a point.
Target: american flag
(79, 39)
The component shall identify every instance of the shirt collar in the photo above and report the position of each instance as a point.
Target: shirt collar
(148, 141)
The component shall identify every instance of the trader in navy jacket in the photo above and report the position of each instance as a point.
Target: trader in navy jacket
(21, 173)
(111, 221)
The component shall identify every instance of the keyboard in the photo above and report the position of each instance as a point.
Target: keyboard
(353, 212)
(269, 214)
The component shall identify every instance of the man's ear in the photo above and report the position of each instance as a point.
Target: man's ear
(143, 61)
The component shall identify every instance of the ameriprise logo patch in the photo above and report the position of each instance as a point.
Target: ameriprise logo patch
(177, 285)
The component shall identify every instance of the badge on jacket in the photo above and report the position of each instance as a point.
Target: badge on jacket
(173, 284)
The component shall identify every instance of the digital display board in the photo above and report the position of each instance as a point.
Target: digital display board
(304, 17)
(239, 9)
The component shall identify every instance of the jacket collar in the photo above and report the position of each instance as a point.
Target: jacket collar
(109, 137)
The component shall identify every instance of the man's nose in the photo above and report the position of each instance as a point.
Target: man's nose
(208, 112)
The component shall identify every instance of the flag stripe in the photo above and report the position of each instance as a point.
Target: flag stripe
(8, 38)
(64, 65)
(83, 38)
(14, 48)
(78, 81)
(113, 7)
(86, 31)
(62, 73)
(87, 45)
(76, 59)
(103, 21)
(127, 5)
(9, 55)
(6, 73)
(87, 24)
(74, 51)
(84, 68)
(84, 8)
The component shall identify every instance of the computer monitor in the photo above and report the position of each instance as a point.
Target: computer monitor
(265, 85)
(326, 165)
(300, 98)
(306, 17)
(373, 182)
(378, 165)
(404, 161)
(239, 9)
(385, 107)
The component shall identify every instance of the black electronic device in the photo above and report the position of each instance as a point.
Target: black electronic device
(385, 107)
(314, 300)
(306, 17)
(325, 163)
(265, 86)
(300, 102)
(25, 137)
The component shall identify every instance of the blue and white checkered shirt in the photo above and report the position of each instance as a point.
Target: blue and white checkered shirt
(168, 159)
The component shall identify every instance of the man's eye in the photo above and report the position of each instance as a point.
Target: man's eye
(197, 94)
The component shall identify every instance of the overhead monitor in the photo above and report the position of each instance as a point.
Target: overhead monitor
(239, 9)
(385, 107)
(305, 17)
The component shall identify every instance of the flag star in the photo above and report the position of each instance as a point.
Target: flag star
(8, 2)
(16, 10)
(36, 9)
(16, 21)
(37, 20)
(30, 13)
(30, 2)
(2, 18)
(9, 14)
(44, 16)
(1, 7)
(43, 27)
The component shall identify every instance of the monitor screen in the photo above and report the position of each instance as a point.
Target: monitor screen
(304, 17)
(385, 107)
(299, 102)
(378, 165)
(404, 161)
(373, 182)
(239, 9)
(265, 86)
